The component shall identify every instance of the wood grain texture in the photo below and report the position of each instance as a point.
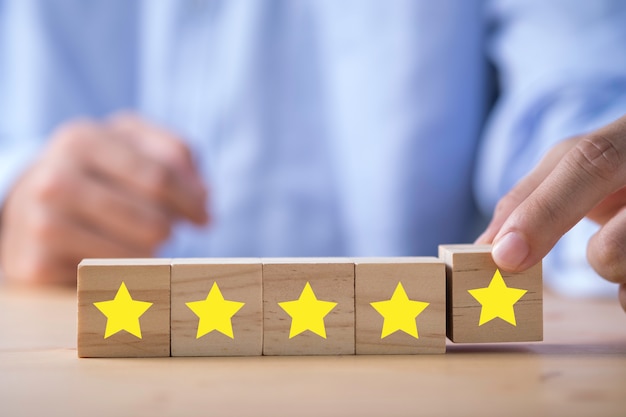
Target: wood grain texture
(238, 280)
(146, 280)
(423, 279)
(332, 279)
(471, 266)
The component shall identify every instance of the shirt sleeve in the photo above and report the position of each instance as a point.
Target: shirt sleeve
(60, 61)
(15, 154)
(561, 71)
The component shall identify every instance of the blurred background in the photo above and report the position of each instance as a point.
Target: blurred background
(318, 128)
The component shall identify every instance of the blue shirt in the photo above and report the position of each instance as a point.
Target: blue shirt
(324, 127)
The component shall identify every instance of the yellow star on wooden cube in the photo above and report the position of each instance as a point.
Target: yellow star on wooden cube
(307, 313)
(122, 313)
(497, 300)
(215, 313)
(399, 313)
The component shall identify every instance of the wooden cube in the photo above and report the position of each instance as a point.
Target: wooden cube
(308, 306)
(488, 305)
(124, 307)
(400, 305)
(217, 307)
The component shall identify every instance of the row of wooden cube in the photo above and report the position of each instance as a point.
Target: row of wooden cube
(353, 326)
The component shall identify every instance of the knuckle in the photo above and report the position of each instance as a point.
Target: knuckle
(607, 256)
(73, 135)
(598, 156)
(50, 186)
(44, 228)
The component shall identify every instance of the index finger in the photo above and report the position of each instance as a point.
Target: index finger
(590, 171)
(523, 189)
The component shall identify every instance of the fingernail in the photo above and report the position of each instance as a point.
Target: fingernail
(510, 251)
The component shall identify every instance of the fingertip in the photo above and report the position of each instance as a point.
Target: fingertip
(510, 252)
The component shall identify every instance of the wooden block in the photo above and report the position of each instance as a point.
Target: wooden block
(308, 306)
(487, 305)
(124, 307)
(400, 305)
(224, 316)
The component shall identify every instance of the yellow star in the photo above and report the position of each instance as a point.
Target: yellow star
(307, 313)
(215, 313)
(122, 313)
(399, 313)
(497, 300)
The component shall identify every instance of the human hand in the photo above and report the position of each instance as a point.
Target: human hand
(100, 189)
(583, 176)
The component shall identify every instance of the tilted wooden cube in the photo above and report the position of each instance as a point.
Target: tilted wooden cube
(124, 307)
(488, 305)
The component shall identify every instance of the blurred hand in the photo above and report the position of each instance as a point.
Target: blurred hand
(111, 189)
(584, 176)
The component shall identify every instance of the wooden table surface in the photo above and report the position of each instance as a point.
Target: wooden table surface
(579, 370)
